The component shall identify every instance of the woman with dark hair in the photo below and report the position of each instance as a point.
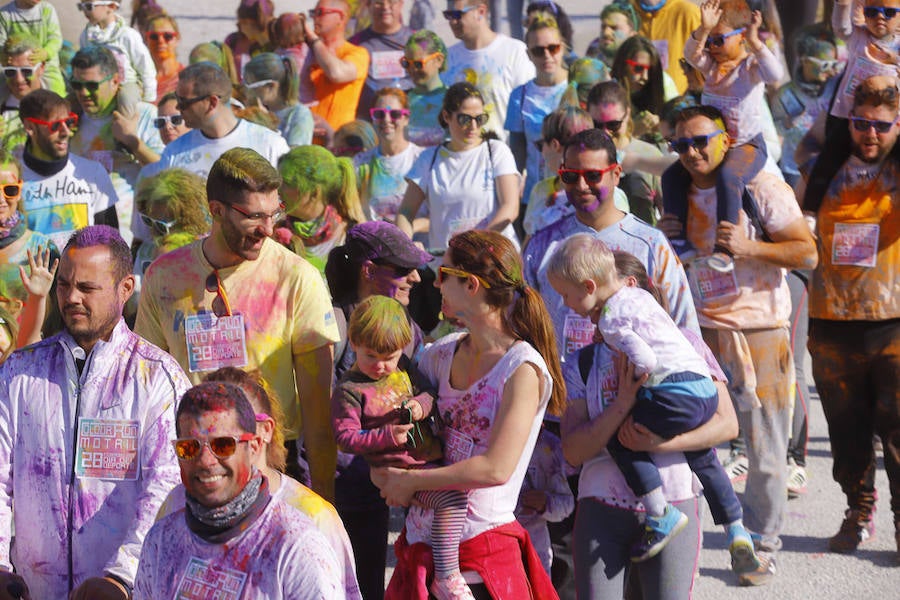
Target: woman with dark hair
(494, 383)
(273, 81)
(252, 36)
(637, 67)
(468, 182)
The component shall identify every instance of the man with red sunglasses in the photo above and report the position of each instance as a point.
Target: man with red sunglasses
(87, 416)
(253, 545)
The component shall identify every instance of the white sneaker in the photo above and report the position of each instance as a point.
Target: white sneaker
(796, 479)
(736, 466)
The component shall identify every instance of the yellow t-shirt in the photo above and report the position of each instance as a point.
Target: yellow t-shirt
(282, 299)
(668, 29)
(338, 101)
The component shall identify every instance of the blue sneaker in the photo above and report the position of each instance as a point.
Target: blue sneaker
(740, 546)
(657, 533)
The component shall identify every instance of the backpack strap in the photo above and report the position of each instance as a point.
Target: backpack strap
(586, 361)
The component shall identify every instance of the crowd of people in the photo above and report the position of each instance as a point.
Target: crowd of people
(337, 264)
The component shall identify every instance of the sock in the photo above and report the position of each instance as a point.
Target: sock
(654, 502)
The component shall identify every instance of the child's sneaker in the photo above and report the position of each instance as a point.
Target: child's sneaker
(740, 546)
(453, 587)
(657, 533)
(856, 530)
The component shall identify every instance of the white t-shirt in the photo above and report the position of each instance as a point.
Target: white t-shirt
(460, 189)
(497, 69)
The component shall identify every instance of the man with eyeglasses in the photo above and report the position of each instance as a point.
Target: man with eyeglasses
(385, 40)
(20, 77)
(252, 545)
(854, 310)
(87, 416)
(237, 298)
(494, 62)
(745, 312)
(203, 99)
(61, 192)
(334, 72)
(121, 141)
(590, 174)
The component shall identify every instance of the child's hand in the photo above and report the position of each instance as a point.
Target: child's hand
(417, 413)
(399, 433)
(710, 13)
(42, 272)
(751, 35)
(535, 500)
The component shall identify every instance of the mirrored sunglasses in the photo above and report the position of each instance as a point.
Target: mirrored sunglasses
(682, 145)
(222, 446)
(381, 114)
(173, 120)
(719, 40)
(591, 176)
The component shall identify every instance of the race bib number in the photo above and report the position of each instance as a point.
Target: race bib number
(203, 581)
(578, 332)
(609, 383)
(215, 342)
(855, 244)
(457, 446)
(108, 449)
(386, 65)
(709, 284)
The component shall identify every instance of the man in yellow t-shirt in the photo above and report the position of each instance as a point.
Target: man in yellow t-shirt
(668, 23)
(237, 298)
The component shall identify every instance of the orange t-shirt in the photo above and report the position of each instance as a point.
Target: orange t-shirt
(338, 101)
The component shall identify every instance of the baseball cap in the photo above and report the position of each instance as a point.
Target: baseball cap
(381, 240)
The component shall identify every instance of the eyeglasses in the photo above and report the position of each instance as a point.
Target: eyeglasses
(872, 12)
(381, 114)
(155, 36)
(259, 84)
(90, 86)
(315, 13)
(157, 226)
(443, 271)
(183, 103)
(682, 145)
(222, 446)
(419, 64)
(71, 122)
(463, 119)
(821, 65)
(26, 72)
(221, 307)
(11, 190)
(259, 217)
(173, 120)
(719, 40)
(636, 67)
(610, 126)
(864, 125)
(456, 15)
(591, 176)
(541, 51)
(86, 6)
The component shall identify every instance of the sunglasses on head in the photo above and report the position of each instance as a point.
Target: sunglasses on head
(158, 227)
(173, 120)
(381, 114)
(864, 125)
(463, 119)
(719, 40)
(87, 6)
(456, 15)
(71, 122)
(155, 36)
(418, 63)
(610, 126)
(26, 72)
(11, 190)
(443, 272)
(221, 446)
(636, 67)
(682, 145)
(541, 51)
(90, 86)
(591, 176)
(321, 12)
(872, 12)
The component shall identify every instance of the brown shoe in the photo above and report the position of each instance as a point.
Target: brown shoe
(763, 574)
(855, 531)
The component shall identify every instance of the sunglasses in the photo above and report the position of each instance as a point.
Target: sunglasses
(315, 13)
(11, 190)
(258, 84)
(221, 307)
(381, 114)
(90, 86)
(456, 15)
(872, 12)
(183, 103)
(260, 217)
(540, 51)
(397, 271)
(443, 272)
(864, 125)
(591, 176)
(173, 120)
(85, 6)
(71, 122)
(463, 119)
(221, 447)
(610, 126)
(155, 36)
(822, 64)
(719, 40)
(419, 64)
(636, 67)
(157, 226)
(682, 145)
(26, 72)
